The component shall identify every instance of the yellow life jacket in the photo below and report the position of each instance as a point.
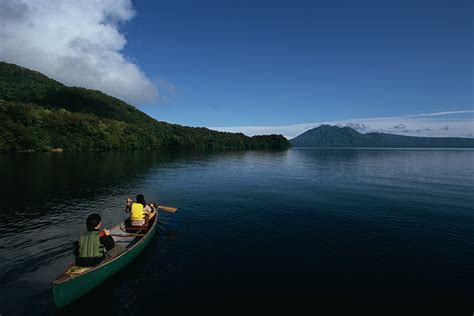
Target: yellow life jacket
(137, 213)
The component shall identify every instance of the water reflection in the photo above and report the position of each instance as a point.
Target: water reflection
(339, 224)
(47, 197)
(49, 177)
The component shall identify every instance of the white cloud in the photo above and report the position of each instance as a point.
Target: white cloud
(77, 42)
(441, 113)
(436, 124)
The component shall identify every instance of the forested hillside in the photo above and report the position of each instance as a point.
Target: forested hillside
(38, 113)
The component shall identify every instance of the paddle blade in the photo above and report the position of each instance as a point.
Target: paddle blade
(167, 208)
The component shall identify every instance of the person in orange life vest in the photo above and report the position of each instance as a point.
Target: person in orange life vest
(140, 211)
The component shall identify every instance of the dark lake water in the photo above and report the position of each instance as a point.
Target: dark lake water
(298, 226)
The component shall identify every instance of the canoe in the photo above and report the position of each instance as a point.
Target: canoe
(74, 282)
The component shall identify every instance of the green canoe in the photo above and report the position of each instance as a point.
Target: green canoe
(75, 282)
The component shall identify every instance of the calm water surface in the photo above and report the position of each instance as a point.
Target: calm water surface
(303, 225)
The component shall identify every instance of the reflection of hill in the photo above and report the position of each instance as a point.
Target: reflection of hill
(44, 177)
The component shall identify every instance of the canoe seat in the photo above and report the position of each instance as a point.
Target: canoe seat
(129, 228)
(114, 252)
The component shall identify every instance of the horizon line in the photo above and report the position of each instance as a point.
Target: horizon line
(422, 124)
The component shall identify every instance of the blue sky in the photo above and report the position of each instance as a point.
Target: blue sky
(279, 63)
(270, 65)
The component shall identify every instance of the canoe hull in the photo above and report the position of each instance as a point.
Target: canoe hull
(66, 292)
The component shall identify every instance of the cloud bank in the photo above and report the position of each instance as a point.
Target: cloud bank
(76, 42)
(436, 124)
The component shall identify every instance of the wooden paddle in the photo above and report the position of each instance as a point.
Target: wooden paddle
(168, 209)
(132, 228)
(129, 235)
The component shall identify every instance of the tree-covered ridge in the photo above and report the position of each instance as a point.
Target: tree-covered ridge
(22, 84)
(28, 86)
(39, 114)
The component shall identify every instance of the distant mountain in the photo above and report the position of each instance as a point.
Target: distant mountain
(333, 136)
(39, 114)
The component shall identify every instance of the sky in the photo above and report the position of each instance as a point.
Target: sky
(260, 66)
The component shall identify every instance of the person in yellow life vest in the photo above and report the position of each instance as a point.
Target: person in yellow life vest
(140, 211)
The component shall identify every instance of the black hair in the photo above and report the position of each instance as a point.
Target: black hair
(141, 199)
(92, 221)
